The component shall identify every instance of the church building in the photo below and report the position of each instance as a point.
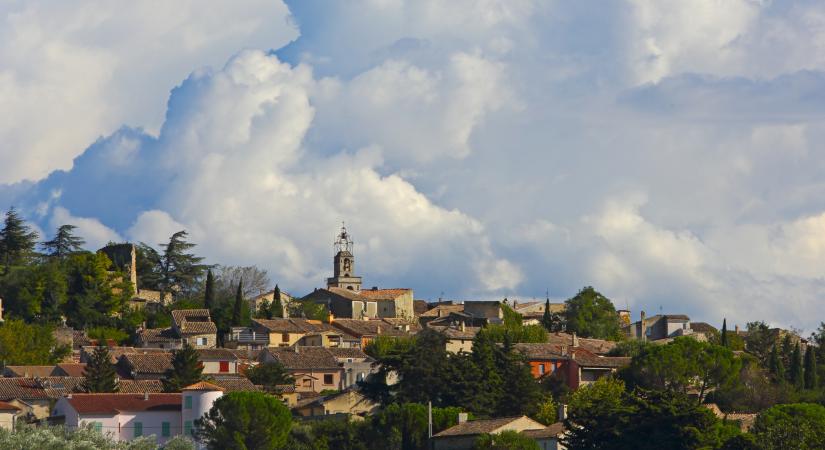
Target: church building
(344, 296)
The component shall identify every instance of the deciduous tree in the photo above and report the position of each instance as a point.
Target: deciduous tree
(797, 426)
(591, 314)
(269, 374)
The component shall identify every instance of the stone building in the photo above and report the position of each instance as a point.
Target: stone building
(124, 258)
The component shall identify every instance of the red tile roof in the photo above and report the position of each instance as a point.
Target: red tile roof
(116, 403)
(384, 294)
(71, 369)
(8, 407)
(203, 386)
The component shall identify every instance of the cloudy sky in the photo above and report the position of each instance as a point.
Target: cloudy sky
(666, 152)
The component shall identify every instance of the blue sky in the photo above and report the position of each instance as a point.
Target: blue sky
(666, 152)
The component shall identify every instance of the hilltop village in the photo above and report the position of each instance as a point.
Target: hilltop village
(154, 347)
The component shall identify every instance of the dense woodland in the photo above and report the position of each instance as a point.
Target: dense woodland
(657, 399)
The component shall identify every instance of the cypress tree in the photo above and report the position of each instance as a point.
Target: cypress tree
(723, 340)
(276, 308)
(810, 369)
(547, 319)
(186, 369)
(209, 291)
(237, 310)
(17, 240)
(776, 366)
(99, 373)
(796, 371)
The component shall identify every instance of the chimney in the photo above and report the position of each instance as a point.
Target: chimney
(561, 414)
(297, 349)
(463, 326)
(462, 418)
(736, 328)
(379, 330)
(643, 327)
(575, 340)
(146, 396)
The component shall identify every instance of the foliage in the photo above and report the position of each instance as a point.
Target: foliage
(238, 308)
(103, 334)
(94, 292)
(17, 240)
(798, 426)
(405, 425)
(603, 415)
(100, 374)
(735, 342)
(682, 365)
(810, 369)
(723, 335)
(269, 374)
(630, 348)
(547, 412)
(276, 309)
(309, 310)
(776, 366)
(752, 391)
(591, 314)
(760, 340)
(64, 242)
(35, 292)
(29, 344)
(246, 420)
(506, 440)
(255, 280)
(515, 333)
(59, 438)
(795, 371)
(209, 291)
(172, 270)
(185, 370)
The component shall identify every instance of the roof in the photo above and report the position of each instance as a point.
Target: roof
(29, 371)
(292, 325)
(374, 327)
(702, 327)
(384, 294)
(70, 369)
(139, 386)
(551, 431)
(216, 353)
(203, 386)
(157, 335)
(597, 346)
(339, 352)
(473, 427)
(304, 357)
(608, 362)
(48, 388)
(235, 384)
(194, 321)
(345, 293)
(116, 352)
(8, 407)
(540, 350)
(456, 333)
(155, 363)
(116, 403)
(419, 307)
(443, 310)
(676, 316)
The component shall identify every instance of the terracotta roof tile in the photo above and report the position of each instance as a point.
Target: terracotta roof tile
(203, 386)
(194, 321)
(139, 386)
(148, 363)
(216, 354)
(473, 427)
(374, 327)
(443, 310)
(292, 325)
(235, 384)
(304, 358)
(70, 369)
(339, 353)
(384, 294)
(28, 371)
(8, 407)
(158, 336)
(116, 403)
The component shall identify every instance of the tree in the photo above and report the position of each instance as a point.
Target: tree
(796, 425)
(186, 369)
(506, 440)
(810, 369)
(521, 394)
(256, 280)
(246, 420)
(276, 308)
(776, 366)
(35, 292)
(23, 344)
(175, 270)
(723, 338)
(547, 412)
(403, 426)
(99, 374)
(94, 293)
(590, 314)
(759, 340)
(209, 291)
(547, 317)
(238, 307)
(64, 242)
(682, 365)
(269, 374)
(795, 372)
(17, 240)
(46, 437)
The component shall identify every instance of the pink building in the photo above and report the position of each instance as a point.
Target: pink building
(128, 416)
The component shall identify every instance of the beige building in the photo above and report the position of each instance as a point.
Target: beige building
(464, 435)
(195, 327)
(349, 402)
(8, 415)
(257, 301)
(315, 369)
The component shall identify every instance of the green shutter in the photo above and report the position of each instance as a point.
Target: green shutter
(164, 429)
(187, 402)
(138, 429)
(98, 426)
(187, 427)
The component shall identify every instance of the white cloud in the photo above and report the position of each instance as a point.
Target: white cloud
(90, 229)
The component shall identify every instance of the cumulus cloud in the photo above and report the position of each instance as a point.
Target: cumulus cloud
(90, 229)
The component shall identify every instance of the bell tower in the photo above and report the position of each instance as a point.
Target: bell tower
(343, 275)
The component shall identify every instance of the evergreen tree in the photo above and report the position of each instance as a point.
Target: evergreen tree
(547, 318)
(786, 353)
(175, 270)
(796, 370)
(723, 339)
(17, 240)
(237, 309)
(186, 369)
(776, 366)
(265, 310)
(64, 243)
(522, 394)
(100, 374)
(209, 291)
(489, 384)
(810, 369)
(276, 308)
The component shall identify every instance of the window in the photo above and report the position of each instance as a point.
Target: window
(138, 429)
(187, 402)
(327, 378)
(285, 337)
(360, 376)
(98, 426)
(165, 429)
(307, 383)
(541, 369)
(187, 428)
(200, 341)
(224, 366)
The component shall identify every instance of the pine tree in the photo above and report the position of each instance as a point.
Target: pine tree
(175, 270)
(209, 291)
(186, 369)
(810, 369)
(276, 308)
(237, 310)
(776, 366)
(547, 318)
(64, 243)
(489, 385)
(99, 373)
(723, 339)
(17, 240)
(796, 370)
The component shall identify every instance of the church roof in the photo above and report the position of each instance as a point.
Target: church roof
(384, 294)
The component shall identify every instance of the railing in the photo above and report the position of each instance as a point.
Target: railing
(249, 337)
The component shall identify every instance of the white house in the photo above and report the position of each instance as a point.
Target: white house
(128, 416)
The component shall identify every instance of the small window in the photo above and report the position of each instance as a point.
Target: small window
(307, 383)
(165, 430)
(285, 337)
(187, 402)
(327, 378)
(98, 426)
(138, 429)
(541, 369)
(360, 376)
(224, 366)
(187, 428)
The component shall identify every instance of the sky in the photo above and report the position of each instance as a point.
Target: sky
(665, 152)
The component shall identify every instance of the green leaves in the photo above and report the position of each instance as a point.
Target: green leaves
(798, 426)
(591, 314)
(100, 374)
(25, 344)
(186, 369)
(246, 421)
